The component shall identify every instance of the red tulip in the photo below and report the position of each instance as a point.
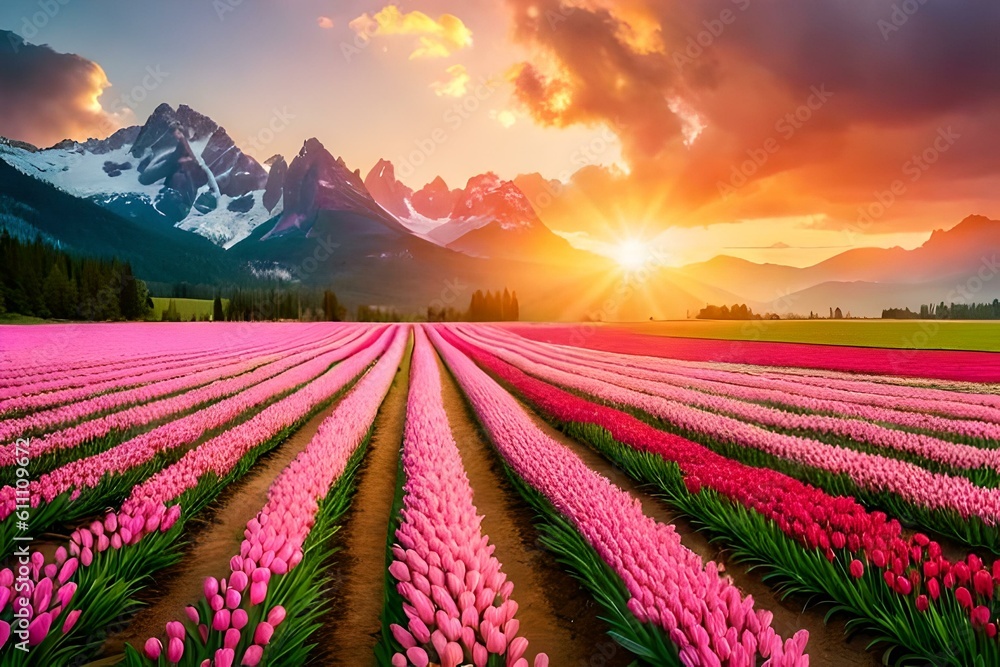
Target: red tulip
(964, 597)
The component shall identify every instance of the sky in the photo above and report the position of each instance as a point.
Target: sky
(781, 131)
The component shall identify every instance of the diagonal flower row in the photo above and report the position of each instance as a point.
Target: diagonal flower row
(703, 613)
(939, 606)
(234, 620)
(875, 473)
(456, 598)
(82, 474)
(153, 508)
(199, 386)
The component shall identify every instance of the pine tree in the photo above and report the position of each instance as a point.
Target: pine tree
(217, 314)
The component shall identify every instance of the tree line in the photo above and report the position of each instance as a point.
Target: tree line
(739, 311)
(944, 311)
(488, 307)
(39, 280)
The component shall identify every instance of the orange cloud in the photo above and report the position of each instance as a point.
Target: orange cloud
(324, 22)
(456, 83)
(435, 38)
(50, 96)
(706, 92)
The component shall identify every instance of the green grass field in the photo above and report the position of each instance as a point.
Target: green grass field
(16, 318)
(921, 334)
(186, 307)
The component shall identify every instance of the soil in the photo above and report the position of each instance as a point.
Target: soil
(214, 537)
(828, 645)
(557, 616)
(352, 624)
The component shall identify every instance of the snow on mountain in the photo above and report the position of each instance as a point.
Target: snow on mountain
(179, 168)
(442, 215)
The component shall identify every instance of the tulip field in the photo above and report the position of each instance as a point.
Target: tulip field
(210, 494)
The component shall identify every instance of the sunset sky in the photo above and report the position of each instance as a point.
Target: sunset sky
(756, 128)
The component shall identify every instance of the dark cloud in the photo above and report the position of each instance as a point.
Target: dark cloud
(47, 96)
(657, 70)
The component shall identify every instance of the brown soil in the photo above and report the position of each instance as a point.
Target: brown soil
(352, 625)
(557, 615)
(214, 537)
(828, 646)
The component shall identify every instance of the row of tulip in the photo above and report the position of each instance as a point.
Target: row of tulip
(934, 499)
(673, 607)
(454, 604)
(885, 386)
(261, 612)
(102, 393)
(131, 543)
(83, 354)
(195, 382)
(983, 430)
(82, 486)
(903, 587)
(957, 366)
(916, 447)
(101, 431)
(912, 399)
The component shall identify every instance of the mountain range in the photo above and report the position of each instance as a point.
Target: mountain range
(179, 199)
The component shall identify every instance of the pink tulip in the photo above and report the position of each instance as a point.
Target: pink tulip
(175, 649)
(276, 616)
(71, 620)
(262, 635)
(252, 656)
(232, 638)
(224, 657)
(153, 648)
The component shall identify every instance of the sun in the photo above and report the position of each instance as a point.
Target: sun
(631, 254)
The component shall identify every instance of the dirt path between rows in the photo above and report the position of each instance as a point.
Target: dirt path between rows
(557, 615)
(352, 625)
(828, 645)
(214, 537)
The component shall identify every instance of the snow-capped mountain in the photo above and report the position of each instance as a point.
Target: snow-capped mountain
(180, 168)
(489, 218)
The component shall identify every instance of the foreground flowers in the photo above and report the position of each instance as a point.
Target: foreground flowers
(457, 602)
(260, 613)
(120, 551)
(904, 586)
(669, 587)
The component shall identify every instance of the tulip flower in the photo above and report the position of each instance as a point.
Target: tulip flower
(645, 552)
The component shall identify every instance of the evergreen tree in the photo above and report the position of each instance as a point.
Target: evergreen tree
(217, 314)
(59, 293)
